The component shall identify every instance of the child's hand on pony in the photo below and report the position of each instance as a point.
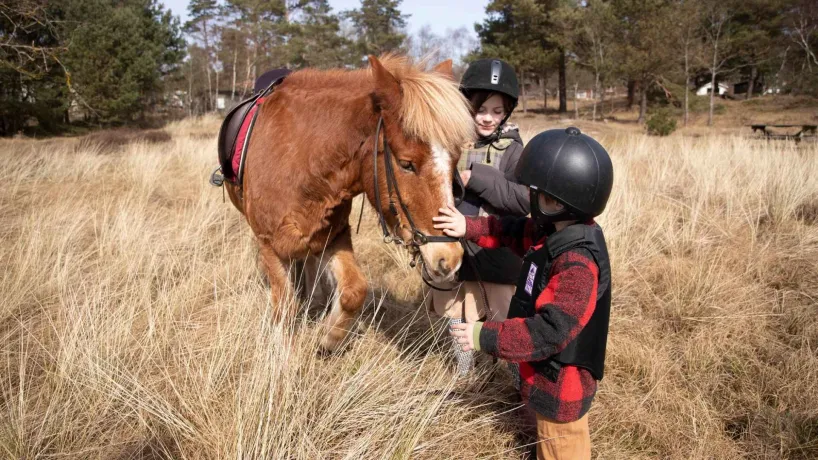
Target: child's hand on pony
(451, 222)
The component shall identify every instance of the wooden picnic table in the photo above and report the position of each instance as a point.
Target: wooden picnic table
(805, 131)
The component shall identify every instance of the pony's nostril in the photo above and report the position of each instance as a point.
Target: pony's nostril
(443, 267)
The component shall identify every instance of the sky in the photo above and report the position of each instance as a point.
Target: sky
(439, 14)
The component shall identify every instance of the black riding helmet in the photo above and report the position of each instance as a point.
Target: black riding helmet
(571, 168)
(491, 75)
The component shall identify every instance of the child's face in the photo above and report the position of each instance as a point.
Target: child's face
(489, 115)
(548, 204)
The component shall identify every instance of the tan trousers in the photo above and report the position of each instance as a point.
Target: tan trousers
(563, 441)
(450, 304)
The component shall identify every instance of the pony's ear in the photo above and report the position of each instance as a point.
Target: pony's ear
(445, 68)
(387, 93)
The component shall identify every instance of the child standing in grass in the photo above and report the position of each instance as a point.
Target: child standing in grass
(557, 324)
(487, 171)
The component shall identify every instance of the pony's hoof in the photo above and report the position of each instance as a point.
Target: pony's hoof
(328, 345)
(323, 353)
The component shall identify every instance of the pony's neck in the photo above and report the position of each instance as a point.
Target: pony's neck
(362, 157)
(347, 113)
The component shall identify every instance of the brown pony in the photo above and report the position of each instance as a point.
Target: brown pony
(311, 152)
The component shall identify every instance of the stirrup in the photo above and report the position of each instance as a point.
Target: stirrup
(217, 177)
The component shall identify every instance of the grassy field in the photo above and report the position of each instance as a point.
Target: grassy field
(135, 323)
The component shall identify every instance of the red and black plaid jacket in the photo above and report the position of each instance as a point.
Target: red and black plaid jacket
(563, 308)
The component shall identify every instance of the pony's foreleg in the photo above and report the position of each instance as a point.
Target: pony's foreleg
(280, 287)
(350, 291)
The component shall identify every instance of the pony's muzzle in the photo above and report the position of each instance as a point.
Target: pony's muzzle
(442, 260)
(443, 267)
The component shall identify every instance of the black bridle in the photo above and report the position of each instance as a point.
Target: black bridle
(418, 237)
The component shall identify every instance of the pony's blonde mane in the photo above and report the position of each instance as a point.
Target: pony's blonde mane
(432, 109)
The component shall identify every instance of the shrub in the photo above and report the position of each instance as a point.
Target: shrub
(661, 122)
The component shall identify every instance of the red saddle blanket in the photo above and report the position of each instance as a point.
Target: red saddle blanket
(243, 136)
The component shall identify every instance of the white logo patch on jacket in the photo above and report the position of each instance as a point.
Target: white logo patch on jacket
(529, 281)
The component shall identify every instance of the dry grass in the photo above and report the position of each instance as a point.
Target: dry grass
(109, 140)
(136, 325)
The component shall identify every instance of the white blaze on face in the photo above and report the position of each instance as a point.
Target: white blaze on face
(442, 160)
(443, 166)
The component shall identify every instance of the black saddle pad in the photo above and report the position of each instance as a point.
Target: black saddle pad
(229, 131)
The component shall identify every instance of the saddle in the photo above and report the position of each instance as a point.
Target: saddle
(234, 134)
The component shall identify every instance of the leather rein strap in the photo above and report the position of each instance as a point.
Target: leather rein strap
(418, 237)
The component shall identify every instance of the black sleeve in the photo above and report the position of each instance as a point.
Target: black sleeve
(497, 188)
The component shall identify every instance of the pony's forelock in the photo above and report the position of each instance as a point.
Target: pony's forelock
(432, 107)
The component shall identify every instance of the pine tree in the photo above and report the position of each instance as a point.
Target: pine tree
(529, 34)
(315, 38)
(642, 31)
(32, 81)
(379, 25)
(507, 33)
(688, 34)
(119, 54)
(200, 25)
(231, 52)
(266, 25)
(759, 36)
(594, 44)
(563, 25)
(801, 67)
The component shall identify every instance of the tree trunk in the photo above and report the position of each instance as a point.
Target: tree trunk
(190, 89)
(247, 69)
(255, 64)
(631, 92)
(235, 61)
(643, 107)
(751, 85)
(687, 83)
(602, 103)
(563, 93)
(207, 66)
(613, 98)
(596, 92)
(576, 107)
(713, 90)
(544, 87)
(522, 91)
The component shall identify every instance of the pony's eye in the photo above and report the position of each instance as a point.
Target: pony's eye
(407, 165)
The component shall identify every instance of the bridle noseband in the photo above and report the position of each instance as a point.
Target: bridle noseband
(418, 237)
